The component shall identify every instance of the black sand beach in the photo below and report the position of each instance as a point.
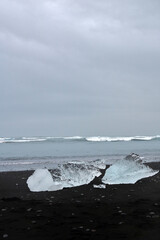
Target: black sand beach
(130, 211)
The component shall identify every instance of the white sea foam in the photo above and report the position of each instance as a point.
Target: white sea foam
(30, 138)
(23, 140)
(7, 163)
(108, 139)
(127, 171)
(3, 139)
(79, 138)
(125, 139)
(73, 138)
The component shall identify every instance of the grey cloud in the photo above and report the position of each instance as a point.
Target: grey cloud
(92, 66)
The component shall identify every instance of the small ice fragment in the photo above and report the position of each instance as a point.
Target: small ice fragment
(38, 211)
(152, 213)
(3, 209)
(5, 235)
(123, 214)
(29, 209)
(120, 223)
(99, 186)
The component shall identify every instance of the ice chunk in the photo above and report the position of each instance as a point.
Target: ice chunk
(127, 171)
(98, 163)
(40, 180)
(73, 174)
(67, 175)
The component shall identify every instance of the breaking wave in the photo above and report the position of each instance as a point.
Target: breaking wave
(78, 138)
(122, 139)
(22, 140)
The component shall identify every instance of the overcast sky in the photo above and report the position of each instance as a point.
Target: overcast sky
(79, 67)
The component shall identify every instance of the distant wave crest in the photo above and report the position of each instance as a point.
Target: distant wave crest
(122, 139)
(22, 140)
(78, 138)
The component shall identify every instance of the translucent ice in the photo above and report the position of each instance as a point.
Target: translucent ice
(128, 170)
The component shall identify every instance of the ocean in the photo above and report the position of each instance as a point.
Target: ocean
(30, 153)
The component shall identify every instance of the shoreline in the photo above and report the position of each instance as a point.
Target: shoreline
(123, 211)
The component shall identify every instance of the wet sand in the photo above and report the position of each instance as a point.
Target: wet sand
(130, 211)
